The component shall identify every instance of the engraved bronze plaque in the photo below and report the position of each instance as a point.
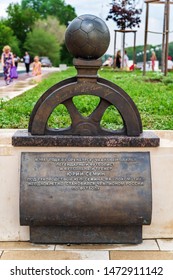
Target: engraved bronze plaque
(85, 188)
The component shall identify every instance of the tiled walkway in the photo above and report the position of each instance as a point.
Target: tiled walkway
(155, 249)
(22, 84)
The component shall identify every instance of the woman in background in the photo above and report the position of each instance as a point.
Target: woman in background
(7, 60)
(153, 59)
(126, 61)
(118, 59)
(27, 62)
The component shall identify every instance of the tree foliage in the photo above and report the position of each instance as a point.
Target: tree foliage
(52, 26)
(42, 43)
(7, 38)
(57, 8)
(20, 21)
(66, 57)
(50, 16)
(125, 14)
(140, 52)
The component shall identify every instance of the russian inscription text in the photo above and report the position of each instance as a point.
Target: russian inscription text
(85, 171)
(85, 188)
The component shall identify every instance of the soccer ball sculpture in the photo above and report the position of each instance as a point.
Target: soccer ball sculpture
(87, 37)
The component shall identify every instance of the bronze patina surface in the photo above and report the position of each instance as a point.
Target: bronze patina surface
(85, 189)
(87, 38)
(85, 197)
(115, 234)
(86, 82)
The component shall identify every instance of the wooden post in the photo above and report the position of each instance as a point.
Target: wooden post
(165, 35)
(145, 39)
(134, 49)
(123, 32)
(163, 41)
(167, 9)
(114, 56)
(123, 50)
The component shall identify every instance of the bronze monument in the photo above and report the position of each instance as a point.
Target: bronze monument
(85, 197)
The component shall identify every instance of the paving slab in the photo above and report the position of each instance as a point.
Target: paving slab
(23, 83)
(54, 255)
(145, 246)
(165, 244)
(15, 246)
(141, 255)
(161, 249)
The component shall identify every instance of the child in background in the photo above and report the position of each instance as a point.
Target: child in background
(36, 67)
(16, 60)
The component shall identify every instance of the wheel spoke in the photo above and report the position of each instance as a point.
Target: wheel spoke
(76, 117)
(99, 111)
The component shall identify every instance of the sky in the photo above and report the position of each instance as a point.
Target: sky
(101, 8)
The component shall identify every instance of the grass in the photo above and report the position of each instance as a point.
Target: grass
(153, 95)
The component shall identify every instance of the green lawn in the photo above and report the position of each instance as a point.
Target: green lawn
(153, 95)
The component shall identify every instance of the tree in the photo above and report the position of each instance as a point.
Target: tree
(57, 8)
(125, 14)
(20, 21)
(64, 13)
(66, 57)
(42, 43)
(7, 38)
(52, 26)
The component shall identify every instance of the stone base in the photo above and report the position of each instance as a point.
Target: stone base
(24, 138)
(162, 197)
(86, 234)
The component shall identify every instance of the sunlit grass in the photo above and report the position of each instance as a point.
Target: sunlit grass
(153, 95)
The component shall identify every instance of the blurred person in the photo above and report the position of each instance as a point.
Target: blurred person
(27, 62)
(126, 61)
(153, 59)
(16, 60)
(7, 60)
(118, 59)
(170, 63)
(36, 67)
(108, 62)
(132, 67)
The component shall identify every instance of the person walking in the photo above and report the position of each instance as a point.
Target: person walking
(7, 60)
(27, 62)
(16, 60)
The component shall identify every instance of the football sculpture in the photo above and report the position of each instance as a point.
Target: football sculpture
(87, 37)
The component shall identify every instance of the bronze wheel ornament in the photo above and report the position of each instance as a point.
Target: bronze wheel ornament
(84, 33)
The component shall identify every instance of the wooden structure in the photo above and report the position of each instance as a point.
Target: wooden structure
(134, 44)
(165, 34)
